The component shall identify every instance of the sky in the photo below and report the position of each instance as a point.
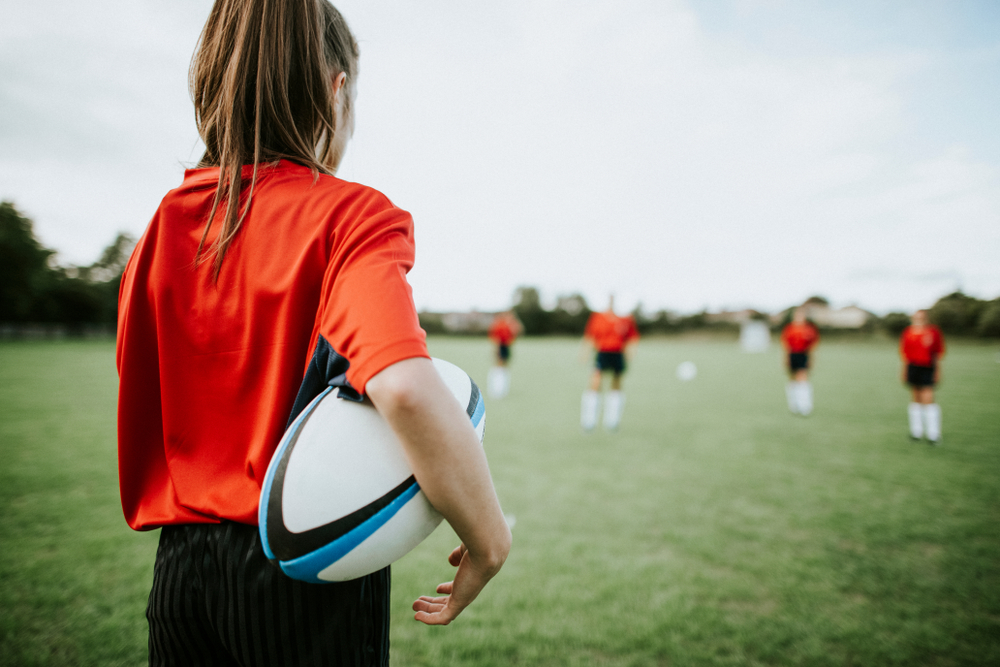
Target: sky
(681, 154)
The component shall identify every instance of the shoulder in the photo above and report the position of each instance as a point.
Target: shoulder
(296, 183)
(360, 198)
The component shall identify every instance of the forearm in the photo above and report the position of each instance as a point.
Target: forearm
(445, 455)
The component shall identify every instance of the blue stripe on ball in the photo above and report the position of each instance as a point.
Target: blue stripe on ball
(308, 567)
(477, 416)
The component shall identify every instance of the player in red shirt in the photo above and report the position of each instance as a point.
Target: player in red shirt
(503, 331)
(921, 346)
(613, 337)
(260, 281)
(799, 337)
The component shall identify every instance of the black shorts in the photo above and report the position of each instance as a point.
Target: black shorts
(610, 361)
(798, 361)
(919, 376)
(503, 351)
(216, 600)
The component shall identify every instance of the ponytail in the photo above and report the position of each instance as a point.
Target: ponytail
(261, 80)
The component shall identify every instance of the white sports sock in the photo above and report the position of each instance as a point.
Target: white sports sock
(505, 374)
(790, 394)
(494, 382)
(915, 413)
(932, 421)
(590, 404)
(805, 396)
(614, 404)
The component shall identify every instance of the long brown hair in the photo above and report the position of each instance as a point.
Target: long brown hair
(262, 83)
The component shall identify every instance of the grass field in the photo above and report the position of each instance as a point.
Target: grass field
(713, 529)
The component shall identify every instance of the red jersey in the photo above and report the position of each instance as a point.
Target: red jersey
(312, 293)
(921, 346)
(609, 332)
(798, 337)
(503, 330)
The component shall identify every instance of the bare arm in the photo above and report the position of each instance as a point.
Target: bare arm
(451, 467)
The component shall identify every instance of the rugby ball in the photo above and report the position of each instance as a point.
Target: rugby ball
(339, 500)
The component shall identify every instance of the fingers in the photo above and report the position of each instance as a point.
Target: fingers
(457, 594)
(433, 611)
(432, 619)
(428, 604)
(455, 557)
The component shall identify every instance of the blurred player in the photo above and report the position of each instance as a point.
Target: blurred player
(921, 347)
(799, 337)
(613, 338)
(503, 331)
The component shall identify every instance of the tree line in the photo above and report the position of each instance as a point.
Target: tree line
(956, 314)
(34, 289)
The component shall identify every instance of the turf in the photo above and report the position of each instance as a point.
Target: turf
(713, 528)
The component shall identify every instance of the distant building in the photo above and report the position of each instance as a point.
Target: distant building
(734, 316)
(467, 323)
(849, 317)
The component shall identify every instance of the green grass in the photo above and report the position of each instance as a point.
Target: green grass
(713, 529)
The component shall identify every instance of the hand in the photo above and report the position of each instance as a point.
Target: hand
(458, 594)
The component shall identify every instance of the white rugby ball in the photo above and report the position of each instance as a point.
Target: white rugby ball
(339, 500)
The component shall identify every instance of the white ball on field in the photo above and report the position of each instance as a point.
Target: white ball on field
(686, 371)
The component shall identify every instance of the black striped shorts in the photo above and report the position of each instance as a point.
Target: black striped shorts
(216, 600)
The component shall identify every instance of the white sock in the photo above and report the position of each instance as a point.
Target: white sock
(932, 421)
(590, 404)
(494, 381)
(805, 396)
(915, 413)
(505, 374)
(614, 404)
(790, 394)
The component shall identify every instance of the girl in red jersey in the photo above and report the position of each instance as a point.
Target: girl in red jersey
(503, 332)
(613, 338)
(921, 346)
(799, 337)
(260, 281)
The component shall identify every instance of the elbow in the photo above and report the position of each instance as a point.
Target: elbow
(396, 393)
(493, 558)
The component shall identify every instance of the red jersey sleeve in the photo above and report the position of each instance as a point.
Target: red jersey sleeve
(366, 307)
(633, 330)
(938, 343)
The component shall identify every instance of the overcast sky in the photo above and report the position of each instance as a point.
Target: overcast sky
(685, 154)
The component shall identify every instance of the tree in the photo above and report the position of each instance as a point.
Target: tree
(894, 323)
(570, 315)
(25, 273)
(956, 313)
(106, 275)
(528, 308)
(34, 289)
(989, 320)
